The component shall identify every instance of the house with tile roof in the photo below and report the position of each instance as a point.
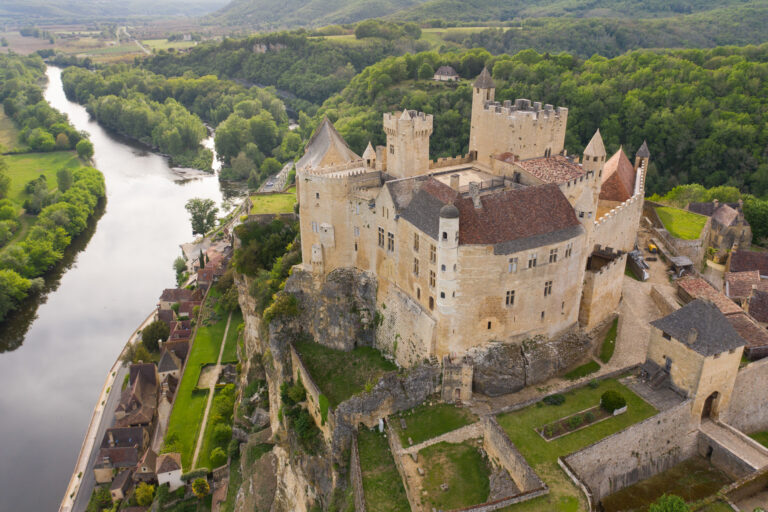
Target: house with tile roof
(493, 245)
(729, 228)
(168, 469)
(138, 402)
(446, 74)
(120, 448)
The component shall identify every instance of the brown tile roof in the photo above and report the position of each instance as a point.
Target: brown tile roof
(758, 305)
(169, 362)
(738, 285)
(553, 169)
(179, 347)
(122, 481)
(753, 334)
(698, 288)
(446, 71)
(725, 215)
(149, 460)
(618, 178)
(205, 274)
(168, 462)
(118, 457)
(749, 260)
(145, 370)
(187, 307)
(165, 315)
(177, 295)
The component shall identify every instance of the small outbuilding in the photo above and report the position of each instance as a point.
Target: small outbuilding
(169, 470)
(446, 74)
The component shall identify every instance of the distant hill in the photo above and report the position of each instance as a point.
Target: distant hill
(48, 11)
(271, 14)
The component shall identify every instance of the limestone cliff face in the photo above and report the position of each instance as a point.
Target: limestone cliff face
(508, 367)
(339, 311)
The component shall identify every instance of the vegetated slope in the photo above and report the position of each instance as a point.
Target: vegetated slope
(298, 13)
(703, 112)
(83, 10)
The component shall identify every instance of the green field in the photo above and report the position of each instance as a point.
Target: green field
(428, 421)
(542, 455)
(9, 135)
(188, 409)
(274, 203)
(25, 167)
(582, 371)
(164, 44)
(681, 223)
(462, 468)
(382, 485)
(339, 374)
(230, 345)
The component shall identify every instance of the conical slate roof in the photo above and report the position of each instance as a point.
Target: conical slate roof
(643, 152)
(326, 147)
(484, 81)
(595, 146)
(369, 153)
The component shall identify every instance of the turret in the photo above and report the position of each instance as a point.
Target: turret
(594, 155)
(407, 143)
(643, 156)
(483, 91)
(369, 156)
(447, 258)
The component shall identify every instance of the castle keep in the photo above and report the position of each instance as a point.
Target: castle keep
(515, 239)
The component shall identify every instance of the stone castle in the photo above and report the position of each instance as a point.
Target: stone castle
(513, 240)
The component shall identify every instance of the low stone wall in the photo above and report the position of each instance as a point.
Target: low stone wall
(313, 395)
(747, 486)
(505, 502)
(637, 452)
(722, 457)
(664, 302)
(356, 477)
(395, 447)
(449, 161)
(454, 436)
(500, 449)
(748, 410)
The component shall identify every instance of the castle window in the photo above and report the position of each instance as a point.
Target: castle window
(445, 235)
(431, 278)
(542, 315)
(355, 246)
(532, 260)
(442, 295)
(432, 254)
(456, 237)
(391, 149)
(390, 242)
(442, 267)
(547, 288)
(510, 300)
(416, 242)
(512, 267)
(454, 267)
(418, 293)
(357, 208)
(553, 255)
(416, 267)
(581, 215)
(489, 325)
(568, 249)
(314, 227)
(431, 303)
(317, 195)
(381, 237)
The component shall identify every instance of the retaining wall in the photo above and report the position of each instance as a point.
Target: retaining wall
(356, 477)
(499, 448)
(748, 410)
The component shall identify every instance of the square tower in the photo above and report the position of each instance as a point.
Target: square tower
(407, 143)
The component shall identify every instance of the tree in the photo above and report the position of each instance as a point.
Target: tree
(144, 494)
(201, 488)
(62, 141)
(270, 166)
(141, 355)
(202, 215)
(154, 332)
(84, 149)
(13, 288)
(426, 71)
(5, 180)
(669, 503)
(64, 178)
(201, 259)
(218, 457)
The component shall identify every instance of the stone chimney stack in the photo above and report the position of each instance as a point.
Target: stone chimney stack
(474, 192)
(717, 203)
(693, 334)
(455, 182)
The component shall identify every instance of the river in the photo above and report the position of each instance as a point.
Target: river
(55, 355)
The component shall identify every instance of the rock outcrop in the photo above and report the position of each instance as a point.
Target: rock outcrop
(508, 367)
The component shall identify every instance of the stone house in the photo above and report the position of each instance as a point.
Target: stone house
(738, 285)
(145, 469)
(729, 228)
(757, 305)
(138, 402)
(169, 364)
(121, 485)
(741, 261)
(170, 296)
(180, 347)
(120, 448)
(446, 74)
(205, 277)
(700, 351)
(169, 470)
(493, 245)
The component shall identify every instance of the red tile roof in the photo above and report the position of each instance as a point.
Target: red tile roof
(738, 285)
(749, 260)
(618, 178)
(698, 288)
(758, 305)
(553, 169)
(753, 334)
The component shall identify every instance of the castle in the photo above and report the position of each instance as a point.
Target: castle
(513, 240)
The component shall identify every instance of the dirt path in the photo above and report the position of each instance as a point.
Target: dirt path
(211, 391)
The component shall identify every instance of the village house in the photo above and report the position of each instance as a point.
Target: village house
(738, 285)
(171, 296)
(145, 469)
(169, 364)
(742, 261)
(446, 74)
(121, 485)
(120, 448)
(757, 305)
(169, 470)
(138, 401)
(493, 245)
(729, 228)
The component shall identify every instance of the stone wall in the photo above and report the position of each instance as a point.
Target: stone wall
(502, 368)
(356, 477)
(748, 410)
(722, 457)
(405, 330)
(636, 453)
(664, 302)
(313, 395)
(695, 249)
(602, 293)
(618, 228)
(500, 449)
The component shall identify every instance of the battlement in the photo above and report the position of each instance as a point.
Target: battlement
(523, 107)
(419, 122)
(344, 170)
(449, 161)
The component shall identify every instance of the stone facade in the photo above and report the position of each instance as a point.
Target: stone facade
(749, 401)
(602, 287)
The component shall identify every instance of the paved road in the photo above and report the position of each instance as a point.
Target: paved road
(88, 481)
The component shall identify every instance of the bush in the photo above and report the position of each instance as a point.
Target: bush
(612, 400)
(218, 457)
(575, 421)
(589, 417)
(195, 473)
(233, 450)
(555, 399)
(594, 384)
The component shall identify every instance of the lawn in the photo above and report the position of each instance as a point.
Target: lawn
(274, 203)
(339, 374)
(187, 413)
(542, 455)
(761, 437)
(382, 485)
(428, 421)
(25, 167)
(9, 135)
(230, 345)
(582, 371)
(609, 343)
(681, 223)
(462, 468)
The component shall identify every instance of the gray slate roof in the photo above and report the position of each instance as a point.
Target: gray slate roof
(643, 152)
(714, 333)
(325, 137)
(446, 71)
(484, 81)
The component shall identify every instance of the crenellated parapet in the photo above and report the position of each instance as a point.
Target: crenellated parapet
(524, 107)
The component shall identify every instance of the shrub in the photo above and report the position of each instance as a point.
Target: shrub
(594, 384)
(218, 457)
(555, 399)
(589, 417)
(201, 488)
(233, 450)
(195, 473)
(285, 305)
(612, 400)
(575, 421)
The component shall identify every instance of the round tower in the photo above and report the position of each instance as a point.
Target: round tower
(447, 258)
(483, 91)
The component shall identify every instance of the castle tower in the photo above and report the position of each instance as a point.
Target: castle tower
(407, 143)
(483, 90)
(642, 157)
(594, 154)
(447, 258)
(369, 156)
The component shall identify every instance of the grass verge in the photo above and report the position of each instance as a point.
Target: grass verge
(25, 167)
(609, 343)
(461, 468)
(582, 371)
(761, 437)
(274, 203)
(230, 344)
(681, 223)
(429, 421)
(382, 485)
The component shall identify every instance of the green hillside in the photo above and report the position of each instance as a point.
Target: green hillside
(64, 11)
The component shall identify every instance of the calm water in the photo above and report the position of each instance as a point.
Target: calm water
(55, 356)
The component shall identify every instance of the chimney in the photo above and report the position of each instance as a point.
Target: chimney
(692, 335)
(455, 182)
(111, 439)
(474, 191)
(717, 203)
